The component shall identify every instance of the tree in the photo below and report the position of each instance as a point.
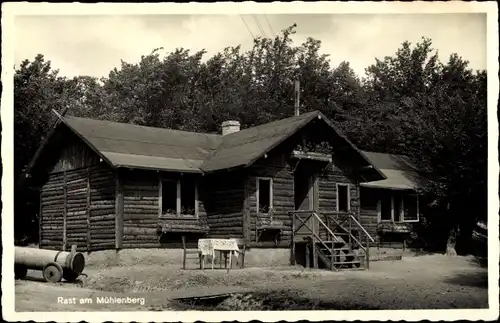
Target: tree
(37, 90)
(436, 114)
(409, 103)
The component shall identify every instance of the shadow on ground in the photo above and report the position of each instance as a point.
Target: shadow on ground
(42, 280)
(417, 253)
(263, 301)
(34, 279)
(470, 279)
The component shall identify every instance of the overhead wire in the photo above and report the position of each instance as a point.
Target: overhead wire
(269, 24)
(259, 26)
(249, 31)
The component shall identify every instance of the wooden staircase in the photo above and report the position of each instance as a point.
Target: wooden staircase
(335, 240)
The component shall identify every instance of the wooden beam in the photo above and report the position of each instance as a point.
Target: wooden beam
(246, 211)
(40, 219)
(160, 196)
(179, 205)
(65, 211)
(196, 199)
(88, 209)
(118, 211)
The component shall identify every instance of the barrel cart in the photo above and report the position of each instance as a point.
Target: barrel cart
(54, 264)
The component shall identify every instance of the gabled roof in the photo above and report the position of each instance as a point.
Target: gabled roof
(134, 146)
(400, 172)
(244, 147)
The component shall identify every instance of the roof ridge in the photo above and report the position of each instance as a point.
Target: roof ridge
(280, 120)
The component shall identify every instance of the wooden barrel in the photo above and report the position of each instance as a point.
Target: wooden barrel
(33, 258)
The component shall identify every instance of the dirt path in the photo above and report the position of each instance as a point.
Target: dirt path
(420, 282)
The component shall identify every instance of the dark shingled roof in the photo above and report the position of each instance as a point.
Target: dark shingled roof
(134, 146)
(244, 147)
(400, 172)
(128, 145)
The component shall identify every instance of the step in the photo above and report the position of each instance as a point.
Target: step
(351, 269)
(337, 249)
(342, 255)
(346, 262)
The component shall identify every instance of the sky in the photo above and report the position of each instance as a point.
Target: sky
(94, 44)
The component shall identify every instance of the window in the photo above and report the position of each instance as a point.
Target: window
(168, 197)
(398, 207)
(411, 208)
(264, 194)
(343, 198)
(385, 208)
(178, 197)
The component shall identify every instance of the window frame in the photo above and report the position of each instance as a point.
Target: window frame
(257, 193)
(402, 212)
(348, 185)
(417, 211)
(178, 198)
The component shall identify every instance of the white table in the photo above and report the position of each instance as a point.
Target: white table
(209, 246)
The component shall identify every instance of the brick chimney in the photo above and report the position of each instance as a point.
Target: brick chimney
(230, 126)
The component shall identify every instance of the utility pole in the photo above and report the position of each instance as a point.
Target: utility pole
(297, 96)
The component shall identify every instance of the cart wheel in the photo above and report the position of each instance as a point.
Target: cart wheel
(69, 275)
(53, 272)
(20, 271)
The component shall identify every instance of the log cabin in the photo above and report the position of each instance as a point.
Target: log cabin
(294, 184)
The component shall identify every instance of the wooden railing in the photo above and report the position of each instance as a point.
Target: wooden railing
(352, 221)
(347, 224)
(312, 214)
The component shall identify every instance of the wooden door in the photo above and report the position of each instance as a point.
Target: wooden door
(306, 199)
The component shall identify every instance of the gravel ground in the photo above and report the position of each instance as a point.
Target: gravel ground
(424, 282)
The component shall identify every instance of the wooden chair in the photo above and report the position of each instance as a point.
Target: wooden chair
(241, 258)
(187, 252)
(267, 223)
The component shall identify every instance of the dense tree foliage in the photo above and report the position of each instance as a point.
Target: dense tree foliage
(410, 103)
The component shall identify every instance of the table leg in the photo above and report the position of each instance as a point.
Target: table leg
(230, 260)
(213, 259)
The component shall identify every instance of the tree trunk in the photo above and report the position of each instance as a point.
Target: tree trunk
(452, 240)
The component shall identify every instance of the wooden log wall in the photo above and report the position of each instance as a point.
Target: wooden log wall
(369, 213)
(223, 195)
(328, 180)
(279, 167)
(140, 209)
(276, 167)
(52, 209)
(77, 207)
(102, 217)
(327, 187)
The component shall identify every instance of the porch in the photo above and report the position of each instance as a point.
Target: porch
(330, 240)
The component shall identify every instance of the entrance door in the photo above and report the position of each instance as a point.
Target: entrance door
(306, 194)
(306, 199)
